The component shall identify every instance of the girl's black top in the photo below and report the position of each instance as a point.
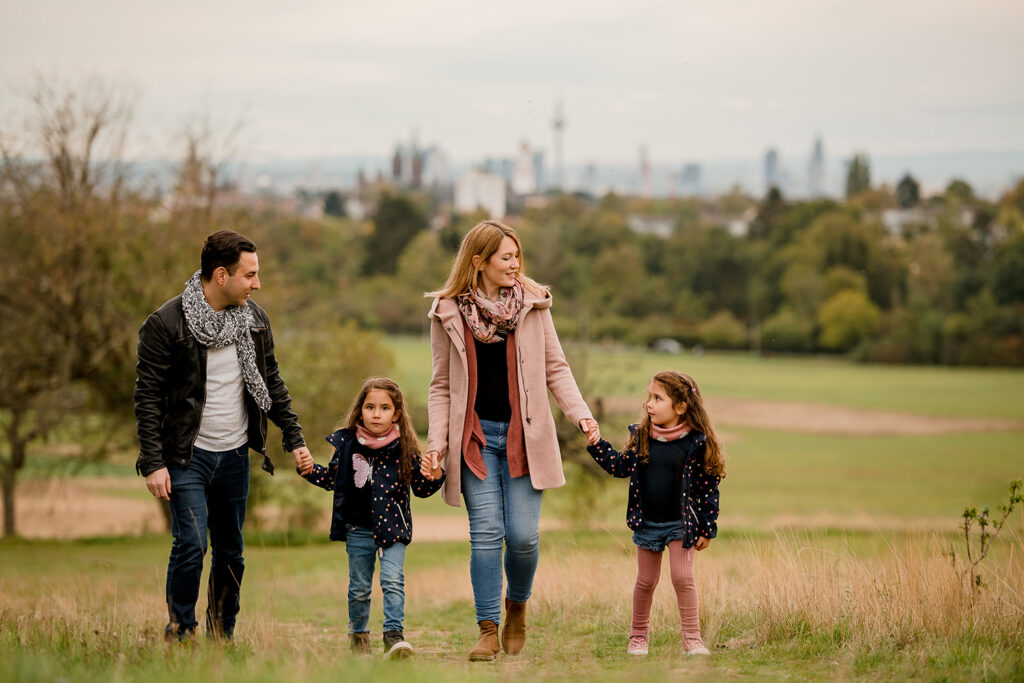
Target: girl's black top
(492, 397)
(358, 501)
(661, 480)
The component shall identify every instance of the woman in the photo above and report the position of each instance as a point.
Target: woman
(495, 353)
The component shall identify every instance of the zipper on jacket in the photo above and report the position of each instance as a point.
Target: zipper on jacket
(401, 514)
(201, 409)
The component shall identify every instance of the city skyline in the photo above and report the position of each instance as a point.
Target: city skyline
(685, 83)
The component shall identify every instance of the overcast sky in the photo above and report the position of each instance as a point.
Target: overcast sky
(689, 80)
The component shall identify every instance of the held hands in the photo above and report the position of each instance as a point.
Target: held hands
(303, 460)
(430, 466)
(591, 429)
(159, 483)
(702, 543)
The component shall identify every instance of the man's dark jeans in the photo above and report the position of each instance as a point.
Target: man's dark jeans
(209, 495)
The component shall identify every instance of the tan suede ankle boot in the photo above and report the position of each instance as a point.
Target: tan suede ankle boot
(513, 634)
(487, 647)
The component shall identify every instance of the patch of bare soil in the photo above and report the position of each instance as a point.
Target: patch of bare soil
(79, 508)
(818, 418)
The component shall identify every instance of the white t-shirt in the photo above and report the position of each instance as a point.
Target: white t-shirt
(225, 420)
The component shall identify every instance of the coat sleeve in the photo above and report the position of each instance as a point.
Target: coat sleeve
(439, 396)
(324, 477)
(558, 374)
(281, 412)
(152, 371)
(617, 464)
(421, 486)
(704, 497)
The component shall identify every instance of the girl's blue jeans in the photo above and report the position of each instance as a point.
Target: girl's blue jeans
(502, 511)
(362, 553)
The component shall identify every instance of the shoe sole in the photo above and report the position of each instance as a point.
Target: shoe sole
(399, 651)
(483, 658)
(699, 652)
(638, 653)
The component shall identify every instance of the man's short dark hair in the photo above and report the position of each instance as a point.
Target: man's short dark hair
(224, 248)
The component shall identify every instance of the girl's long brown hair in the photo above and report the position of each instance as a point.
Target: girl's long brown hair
(483, 240)
(410, 443)
(683, 391)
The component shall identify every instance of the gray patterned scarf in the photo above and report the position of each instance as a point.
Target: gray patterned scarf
(217, 329)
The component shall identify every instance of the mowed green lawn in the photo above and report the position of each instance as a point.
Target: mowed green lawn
(780, 475)
(612, 372)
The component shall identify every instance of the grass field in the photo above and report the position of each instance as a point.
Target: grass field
(832, 560)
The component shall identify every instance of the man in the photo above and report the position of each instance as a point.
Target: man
(207, 381)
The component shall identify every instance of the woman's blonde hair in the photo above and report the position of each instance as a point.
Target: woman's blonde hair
(483, 240)
(683, 391)
(410, 443)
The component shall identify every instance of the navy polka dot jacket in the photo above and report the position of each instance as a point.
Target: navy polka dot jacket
(391, 512)
(699, 489)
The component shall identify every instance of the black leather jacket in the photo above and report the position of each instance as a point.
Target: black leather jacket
(170, 391)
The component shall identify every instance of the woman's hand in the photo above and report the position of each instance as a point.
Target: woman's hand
(702, 543)
(303, 460)
(591, 429)
(430, 466)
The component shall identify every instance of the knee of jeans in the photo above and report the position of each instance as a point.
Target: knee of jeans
(392, 582)
(522, 540)
(487, 534)
(358, 593)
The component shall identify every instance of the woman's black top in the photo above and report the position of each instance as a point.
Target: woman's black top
(492, 397)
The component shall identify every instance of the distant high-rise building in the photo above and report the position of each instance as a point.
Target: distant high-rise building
(771, 171)
(645, 174)
(816, 170)
(524, 175)
(689, 181)
(477, 189)
(538, 168)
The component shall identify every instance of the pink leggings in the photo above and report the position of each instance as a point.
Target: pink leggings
(647, 575)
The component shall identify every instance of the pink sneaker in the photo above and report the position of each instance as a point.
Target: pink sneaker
(637, 646)
(695, 647)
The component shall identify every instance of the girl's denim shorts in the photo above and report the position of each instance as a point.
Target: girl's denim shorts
(655, 536)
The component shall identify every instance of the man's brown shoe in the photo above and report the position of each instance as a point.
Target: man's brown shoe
(513, 634)
(487, 647)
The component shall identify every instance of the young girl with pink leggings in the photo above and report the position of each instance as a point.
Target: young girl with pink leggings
(674, 463)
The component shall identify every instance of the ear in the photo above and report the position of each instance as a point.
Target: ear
(680, 408)
(220, 274)
(397, 416)
(476, 261)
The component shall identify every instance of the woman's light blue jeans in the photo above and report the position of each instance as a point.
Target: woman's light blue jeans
(502, 510)
(362, 553)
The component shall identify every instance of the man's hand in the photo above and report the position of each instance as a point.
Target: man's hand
(303, 460)
(702, 543)
(591, 429)
(430, 465)
(159, 483)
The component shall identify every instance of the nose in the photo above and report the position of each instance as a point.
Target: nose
(255, 282)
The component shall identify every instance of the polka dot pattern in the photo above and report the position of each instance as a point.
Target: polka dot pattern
(389, 498)
(699, 489)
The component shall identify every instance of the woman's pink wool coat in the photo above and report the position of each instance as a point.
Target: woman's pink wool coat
(542, 366)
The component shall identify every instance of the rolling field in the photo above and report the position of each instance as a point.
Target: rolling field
(832, 560)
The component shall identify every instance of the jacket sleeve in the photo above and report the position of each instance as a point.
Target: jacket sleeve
(617, 464)
(439, 396)
(704, 497)
(421, 486)
(281, 412)
(558, 374)
(321, 476)
(152, 370)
